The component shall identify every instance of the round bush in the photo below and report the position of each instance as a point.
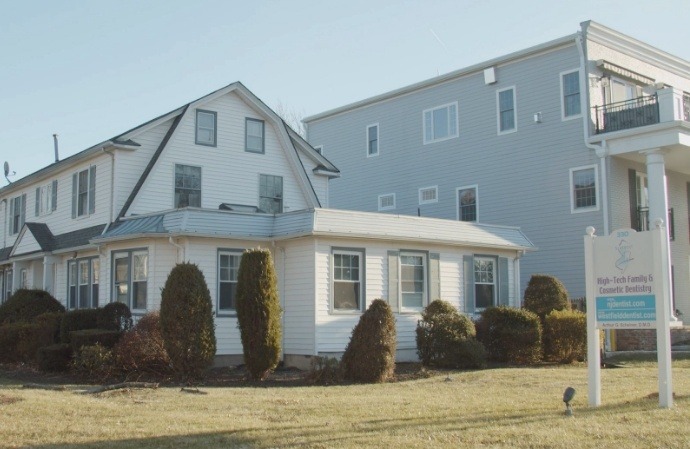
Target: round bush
(27, 304)
(115, 316)
(510, 335)
(439, 335)
(258, 313)
(545, 293)
(141, 350)
(186, 317)
(565, 336)
(370, 354)
(77, 320)
(93, 362)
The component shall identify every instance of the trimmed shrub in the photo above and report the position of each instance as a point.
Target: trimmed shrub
(27, 304)
(141, 350)
(510, 335)
(55, 357)
(93, 362)
(471, 354)
(565, 336)
(51, 323)
(115, 316)
(186, 318)
(370, 354)
(77, 320)
(91, 337)
(325, 371)
(20, 341)
(258, 313)
(440, 336)
(10, 335)
(545, 293)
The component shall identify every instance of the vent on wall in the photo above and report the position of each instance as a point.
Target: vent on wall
(490, 75)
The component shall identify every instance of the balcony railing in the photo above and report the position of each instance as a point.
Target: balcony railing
(643, 221)
(627, 114)
(686, 107)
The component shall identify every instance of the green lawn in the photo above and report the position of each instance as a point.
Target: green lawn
(512, 407)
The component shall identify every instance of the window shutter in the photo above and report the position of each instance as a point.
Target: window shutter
(434, 277)
(92, 189)
(393, 260)
(22, 217)
(503, 284)
(632, 191)
(11, 227)
(75, 188)
(468, 268)
(53, 193)
(38, 200)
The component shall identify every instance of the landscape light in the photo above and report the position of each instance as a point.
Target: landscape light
(568, 396)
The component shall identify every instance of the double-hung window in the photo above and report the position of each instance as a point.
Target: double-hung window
(187, 186)
(467, 203)
(84, 192)
(17, 213)
(485, 277)
(505, 103)
(46, 198)
(82, 283)
(583, 184)
(8, 283)
(413, 280)
(228, 266)
(130, 278)
(271, 194)
(440, 123)
(254, 135)
(348, 275)
(373, 140)
(206, 133)
(570, 91)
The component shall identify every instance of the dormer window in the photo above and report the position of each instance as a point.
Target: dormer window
(206, 128)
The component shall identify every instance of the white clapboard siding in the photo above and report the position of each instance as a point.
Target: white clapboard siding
(229, 174)
(297, 287)
(27, 244)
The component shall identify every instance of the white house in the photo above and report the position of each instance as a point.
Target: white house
(217, 176)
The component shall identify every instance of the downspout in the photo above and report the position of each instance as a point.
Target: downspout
(180, 249)
(516, 277)
(601, 151)
(112, 188)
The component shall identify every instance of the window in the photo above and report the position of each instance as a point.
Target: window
(228, 266)
(413, 280)
(205, 128)
(428, 195)
(187, 186)
(484, 282)
(467, 203)
(130, 278)
(8, 284)
(583, 182)
(254, 135)
(505, 103)
(387, 201)
(570, 90)
(23, 278)
(82, 283)
(348, 270)
(17, 213)
(84, 192)
(46, 198)
(373, 140)
(271, 194)
(441, 123)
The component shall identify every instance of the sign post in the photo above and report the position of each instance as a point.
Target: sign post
(628, 288)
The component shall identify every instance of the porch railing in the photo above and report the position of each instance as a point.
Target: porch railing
(627, 114)
(643, 221)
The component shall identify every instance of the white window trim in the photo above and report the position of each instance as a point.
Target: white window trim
(476, 202)
(573, 209)
(494, 300)
(378, 140)
(422, 189)
(457, 123)
(129, 254)
(226, 252)
(425, 290)
(388, 207)
(498, 111)
(362, 276)
(215, 128)
(560, 79)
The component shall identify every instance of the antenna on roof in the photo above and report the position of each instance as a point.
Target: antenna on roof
(7, 172)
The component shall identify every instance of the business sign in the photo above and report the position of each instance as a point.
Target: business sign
(624, 274)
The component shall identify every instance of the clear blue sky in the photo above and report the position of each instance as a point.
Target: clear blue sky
(89, 70)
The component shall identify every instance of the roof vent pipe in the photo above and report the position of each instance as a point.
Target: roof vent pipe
(55, 142)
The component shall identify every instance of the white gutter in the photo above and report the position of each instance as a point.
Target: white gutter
(601, 151)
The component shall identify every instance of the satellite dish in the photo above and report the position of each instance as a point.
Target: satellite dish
(7, 169)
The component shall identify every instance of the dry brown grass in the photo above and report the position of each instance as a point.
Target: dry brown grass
(518, 407)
